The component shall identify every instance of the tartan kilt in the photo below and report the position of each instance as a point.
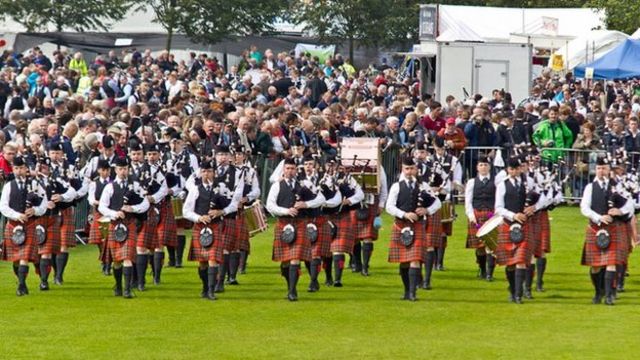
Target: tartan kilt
(322, 246)
(68, 228)
(534, 234)
(213, 252)
(27, 251)
(125, 250)
(482, 216)
(365, 229)
(615, 254)
(544, 233)
(166, 231)
(398, 253)
(94, 232)
(299, 250)
(230, 241)
(183, 224)
(345, 239)
(146, 237)
(507, 253)
(52, 244)
(433, 236)
(242, 232)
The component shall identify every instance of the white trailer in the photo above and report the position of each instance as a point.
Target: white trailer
(446, 68)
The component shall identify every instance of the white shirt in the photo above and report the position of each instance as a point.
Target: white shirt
(468, 195)
(251, 177)
(585, 203)
(11, 214)
(188, 209)
(105, 201)
(92, 191)
(499, 204)
(275, 210)
(393, 210)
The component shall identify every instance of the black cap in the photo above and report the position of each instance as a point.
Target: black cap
(602, 161)
(436, 180)
(206, 165)
(55, 146)
(121, 161)
(44, 161)
(103, 164)
(438, 142)
(484, 159)
(135, 145)
(408, 161)
(222, 149)
(289, 161)
(421, 145)
(308, 157)
(330, 159)
(152, 148)
(513, 162)
(19, 161)
(107, 141)
(175, 136)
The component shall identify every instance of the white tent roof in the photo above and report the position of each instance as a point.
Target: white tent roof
(474, 23)
(590, 47)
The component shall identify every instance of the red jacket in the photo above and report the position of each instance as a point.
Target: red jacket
(5, 167)
(434, 125)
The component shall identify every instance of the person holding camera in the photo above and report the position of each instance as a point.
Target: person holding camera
(552, 133)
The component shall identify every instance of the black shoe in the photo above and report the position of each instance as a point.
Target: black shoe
(539, 288)
(44, 286)
(620, 288)
(219, 288)
(412, 297)
(314, 286)
(178, 264)
(127, 294)
(20, 291)
(439, 268)
(365, 272)
(57, 281)
(292, 297)
(518, 300)
(242, 271)
(337, 284)
(141, 287)
(405, 297)
(329, 282)
(608, 300)
(233, 282)
(117, 291)
(527, 294)
(156, 281)
(596, 299)
(426, 285)
(209, 295)
(489, 278)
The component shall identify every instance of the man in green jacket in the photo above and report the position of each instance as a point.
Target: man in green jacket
(553, 133)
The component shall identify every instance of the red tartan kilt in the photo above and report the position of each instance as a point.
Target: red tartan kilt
(242, 232)
(615, 254)
(52, 245)
(213, 252)
(27, 251)
(94, 232)
(126, 250)
(482, 216)
(398, 253)
(534, 234)
(508, 253)
(433, 236)
(299, 250)
(322, 246)
(166, 231)
(345, 239)
(68, 228)
(365, 229)
(146, 237)
(183, 224)
(544, 233)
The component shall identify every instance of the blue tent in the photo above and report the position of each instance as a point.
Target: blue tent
(623, 62)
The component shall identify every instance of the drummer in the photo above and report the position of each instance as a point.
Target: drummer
(625, 184)
(514, 248)
(95, 191)
(605, 245)
(20, 212)
(479, 199)
(250, 193)
(119, 202)
(409, 202)
(452, 176)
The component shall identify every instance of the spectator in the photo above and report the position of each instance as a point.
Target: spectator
(454, 139)
(433, 122)
(6, 159)
(552, 133)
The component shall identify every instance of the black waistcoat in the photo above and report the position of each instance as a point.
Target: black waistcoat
(18, 199)
(514, 197)
(484, 195)
(407, 199)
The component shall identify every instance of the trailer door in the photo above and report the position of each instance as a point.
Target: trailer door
(490, 75)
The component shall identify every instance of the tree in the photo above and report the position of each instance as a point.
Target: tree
(621, 15)
(209, 21)
(78, 15)
(370, 22)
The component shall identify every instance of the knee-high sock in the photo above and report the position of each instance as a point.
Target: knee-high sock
(413, 280)
(609, 277)
(44, 270)
(404, 275)
(595, 280)
(326, 264)
(620, 276)
(180, 249)
(212, 273)
(158, 258)
(338, 263)
(141, 268)
(202, 273)
(541, 264)
(440, 253)
(284, 272)
(367, 250)
(172, 255)
(23, 270)
(244, 255)
(117, 275)
(491, 264)
(234, 262)
(224, 269)
(294, 274)
(127, 271)
(428, 266)
(511, 278)
(314, 268)
(481, 259)
(531, 269)
(61, 264)
(357, 255)
(520, 277)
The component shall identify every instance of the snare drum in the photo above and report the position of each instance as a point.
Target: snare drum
(255, 218)
(177, 203)
(488, 232)
(104, 227)
(446, 212)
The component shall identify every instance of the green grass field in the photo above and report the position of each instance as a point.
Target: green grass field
(462, 317)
